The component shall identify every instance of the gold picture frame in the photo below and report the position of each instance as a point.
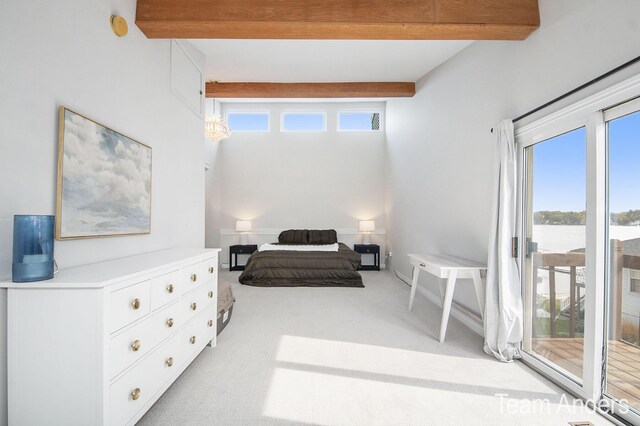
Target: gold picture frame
(104, 181)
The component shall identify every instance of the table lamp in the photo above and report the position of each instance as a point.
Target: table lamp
(32, 248)
(367, 227)
(244, 227)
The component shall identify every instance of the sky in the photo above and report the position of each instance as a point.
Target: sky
(249, 122)
(304, 122)
(559, 172)
(559, 169)
(624, 163)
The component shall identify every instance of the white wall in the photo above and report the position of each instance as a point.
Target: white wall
(282, 180)
(65, 54)
(439, 144)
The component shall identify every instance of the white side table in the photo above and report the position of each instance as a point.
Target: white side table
(451, 268)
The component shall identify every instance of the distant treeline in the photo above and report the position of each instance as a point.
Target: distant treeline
(630, 218)
(559, 218)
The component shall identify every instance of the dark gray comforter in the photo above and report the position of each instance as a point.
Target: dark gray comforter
(303, 268)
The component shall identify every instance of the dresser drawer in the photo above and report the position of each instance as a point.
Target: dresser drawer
(199, 273)
(210, 323)
(191, 277)
(196, 301)
(128, 304)
(165, 289)
(199, 331)
(134, 343)
(133, 390)
(210, 267)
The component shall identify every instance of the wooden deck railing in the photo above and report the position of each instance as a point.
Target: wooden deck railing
(551, 261)
(572, 261)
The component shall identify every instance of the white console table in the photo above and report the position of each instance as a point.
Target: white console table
(99, 344)
(451, 268)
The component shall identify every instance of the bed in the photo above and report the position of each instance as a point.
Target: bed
(297, 261)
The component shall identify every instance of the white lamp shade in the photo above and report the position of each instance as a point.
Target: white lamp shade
(243, 225)
(367, 225)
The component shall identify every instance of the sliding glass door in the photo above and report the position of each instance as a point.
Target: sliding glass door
(579, 215)
(622, 327)
(555, 246)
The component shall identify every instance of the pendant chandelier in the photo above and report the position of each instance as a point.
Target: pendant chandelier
(216, 127)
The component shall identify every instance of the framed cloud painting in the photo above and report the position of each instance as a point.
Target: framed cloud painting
(104, 181)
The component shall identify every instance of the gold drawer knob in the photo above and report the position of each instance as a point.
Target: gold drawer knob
(135, 394)
(194, 306)
(170, 322)
(192, 340)
(169, 361)
(170, 288)
(135, 346)
(135, 304)
(210, 294)
(210, 323)
(211, 269)
(194, 277)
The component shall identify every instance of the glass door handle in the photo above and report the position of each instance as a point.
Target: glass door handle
(532, 247)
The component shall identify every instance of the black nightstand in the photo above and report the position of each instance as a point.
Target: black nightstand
(234, 251)
(373, 249)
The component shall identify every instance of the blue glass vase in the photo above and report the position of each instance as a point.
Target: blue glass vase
(32, 248)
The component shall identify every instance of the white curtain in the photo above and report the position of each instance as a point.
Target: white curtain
(503, 315)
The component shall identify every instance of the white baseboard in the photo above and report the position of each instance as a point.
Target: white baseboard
(457, 311)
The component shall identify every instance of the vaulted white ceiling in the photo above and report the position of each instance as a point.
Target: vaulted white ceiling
(302, 61)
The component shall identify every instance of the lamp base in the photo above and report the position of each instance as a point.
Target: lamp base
(366, 238)
(32, 271)
(244, 238)
(32, 248)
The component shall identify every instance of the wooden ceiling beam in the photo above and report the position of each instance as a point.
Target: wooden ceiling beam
(311, 90)
(339, 19)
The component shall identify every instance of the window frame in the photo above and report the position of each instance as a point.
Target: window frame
(267, 112)
(634, 275)
(379, 111)
(321, 112)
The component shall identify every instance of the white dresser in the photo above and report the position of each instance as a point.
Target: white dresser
(100, 343)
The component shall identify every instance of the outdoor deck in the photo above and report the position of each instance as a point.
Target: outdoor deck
(623, 374)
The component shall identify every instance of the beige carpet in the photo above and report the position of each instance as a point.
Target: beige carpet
(352, 356)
